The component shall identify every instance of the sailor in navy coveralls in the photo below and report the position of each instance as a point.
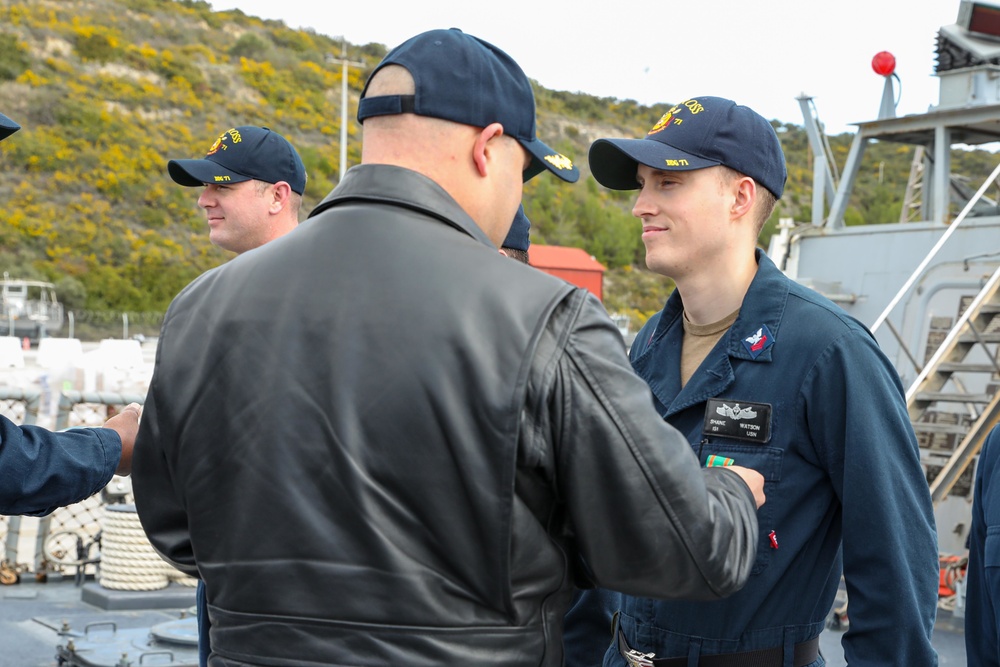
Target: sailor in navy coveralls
(788, 384)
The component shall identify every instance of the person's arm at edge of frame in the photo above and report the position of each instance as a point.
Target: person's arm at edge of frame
(647, 518)
(44, 470)
(889, 539)
(982, 630)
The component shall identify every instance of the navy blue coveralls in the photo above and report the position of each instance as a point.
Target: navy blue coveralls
(41, 470)
(801, 392)
(982, 623)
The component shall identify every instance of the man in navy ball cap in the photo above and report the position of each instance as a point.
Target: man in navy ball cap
(438, 440)
(253, 180)
(758, 370)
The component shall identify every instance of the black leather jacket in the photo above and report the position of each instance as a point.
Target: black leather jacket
(381, 442)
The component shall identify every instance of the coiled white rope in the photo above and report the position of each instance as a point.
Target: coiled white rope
(179, 578)
(128, 560)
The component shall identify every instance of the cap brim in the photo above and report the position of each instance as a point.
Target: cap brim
(194, 173)
(614, 162)
(7, 127)
(543, 157)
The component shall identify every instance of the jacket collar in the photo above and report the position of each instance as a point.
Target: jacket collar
(398, 186)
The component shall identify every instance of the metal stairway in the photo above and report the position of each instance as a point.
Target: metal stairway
(955, 400)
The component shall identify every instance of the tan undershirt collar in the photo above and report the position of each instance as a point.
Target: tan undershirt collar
(699, 339)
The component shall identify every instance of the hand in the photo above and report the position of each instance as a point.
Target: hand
(126, 425)
(754, 480)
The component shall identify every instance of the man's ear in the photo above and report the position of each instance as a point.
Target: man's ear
(282, 193)
(745, 195)
(481, 150)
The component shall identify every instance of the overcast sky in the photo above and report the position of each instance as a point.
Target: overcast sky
(762, 53)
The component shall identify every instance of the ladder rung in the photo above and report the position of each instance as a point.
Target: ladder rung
(950, 397)
(982, 337)
(928, 427)
(934, 458)
(957, 366)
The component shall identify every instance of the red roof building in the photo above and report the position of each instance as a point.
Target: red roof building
(573, 265)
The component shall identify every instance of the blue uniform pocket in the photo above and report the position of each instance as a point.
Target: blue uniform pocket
(765, 460)
(991, 548)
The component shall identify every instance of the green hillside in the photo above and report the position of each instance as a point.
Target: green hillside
(109, 90)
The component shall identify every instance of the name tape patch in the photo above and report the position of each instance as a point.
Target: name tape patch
(742, 420)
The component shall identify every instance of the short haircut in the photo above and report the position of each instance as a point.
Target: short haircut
(765, 203)
(294, 198)
(513, 253)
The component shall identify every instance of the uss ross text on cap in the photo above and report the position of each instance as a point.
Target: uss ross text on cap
(463, 79)
(701, 132)
(7, 127)
(241, 154)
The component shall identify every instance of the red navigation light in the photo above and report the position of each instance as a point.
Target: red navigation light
(884, 63)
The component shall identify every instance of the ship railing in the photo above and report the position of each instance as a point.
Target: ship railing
(47, 545)
(43, 310)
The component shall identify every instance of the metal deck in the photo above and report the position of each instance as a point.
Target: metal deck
(32, 615)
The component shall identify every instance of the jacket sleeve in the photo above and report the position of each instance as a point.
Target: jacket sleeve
(43, 470)
(982, 629)
(646, 518)
(857, 419)
(158, 501)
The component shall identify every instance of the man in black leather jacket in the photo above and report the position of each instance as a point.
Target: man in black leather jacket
(380, 442)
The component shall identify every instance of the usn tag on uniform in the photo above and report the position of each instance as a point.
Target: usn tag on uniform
(738, 419)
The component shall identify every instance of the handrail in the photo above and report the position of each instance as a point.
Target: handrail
(31, 397)
(944, 238)
(953, 335)
(70, 398)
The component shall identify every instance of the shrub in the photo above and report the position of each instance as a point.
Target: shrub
(13, 57)
(251, 46)
(98, 44)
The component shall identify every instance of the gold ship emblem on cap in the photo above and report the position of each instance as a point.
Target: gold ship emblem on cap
(559, 161)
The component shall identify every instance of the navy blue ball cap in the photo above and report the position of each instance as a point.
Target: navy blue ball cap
(701, 132)
(241, 154)
(7, 127)
(517, 237)
(466, 80)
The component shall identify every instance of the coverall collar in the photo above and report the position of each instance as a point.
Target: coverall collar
(761, 311)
